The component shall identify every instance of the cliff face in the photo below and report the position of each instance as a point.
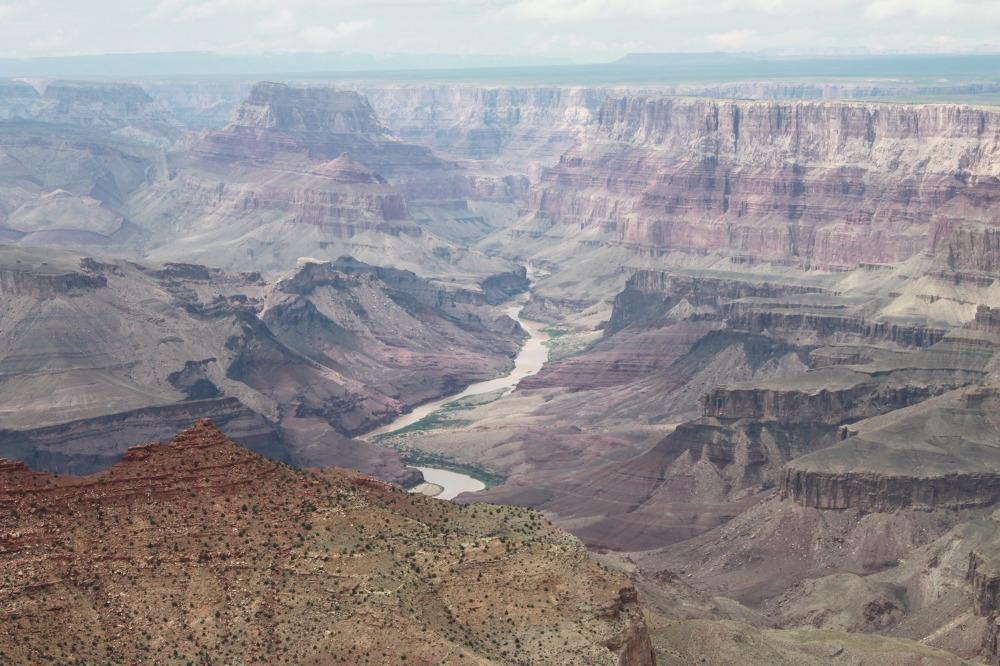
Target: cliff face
(828, 184)
(807, 133)
(15, 282)
(520, 127)
(97, 568)
(649, 295)
(104, 106)
(984, 578)
(799, 322)
(278, 121)
(885, 494)
(859, 399)
(970, 252)
(16, 99)
(321, 110)
(934, 454)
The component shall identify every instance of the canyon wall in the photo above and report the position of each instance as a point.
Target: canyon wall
(17, 99)
(936, 454)
(41, 285)
(650, 295)
(810, 184)
(519, 127)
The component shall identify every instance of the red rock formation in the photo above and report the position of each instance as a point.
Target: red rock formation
(278, 121)
(319, 566)
(814, 184)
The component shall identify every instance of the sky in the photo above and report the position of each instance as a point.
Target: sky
(576, 30)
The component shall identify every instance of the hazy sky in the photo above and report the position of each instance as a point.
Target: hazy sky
(584, 30)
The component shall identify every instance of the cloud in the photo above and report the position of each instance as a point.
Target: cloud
(320, 37)
(47, 43)
(585, 10)
(198, 10)
(931, 9)
(281, 21)
(732, 39)
(557, 44)
(584, 30)
(589, 10)
(885, 9)
(581, 10)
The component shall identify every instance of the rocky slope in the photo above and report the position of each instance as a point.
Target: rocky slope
(66, 186)
(313, 172)
(95, 353)
(690, 625)
(199, 550)
(880, 527)
(748, 431)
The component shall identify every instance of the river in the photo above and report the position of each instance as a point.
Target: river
(529, 361)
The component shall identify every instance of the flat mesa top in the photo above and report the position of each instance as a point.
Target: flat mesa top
(44, 261)
(951, 434)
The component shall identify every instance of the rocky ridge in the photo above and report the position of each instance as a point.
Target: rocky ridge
(327, 567)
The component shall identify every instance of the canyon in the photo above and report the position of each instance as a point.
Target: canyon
(738, 339)
(98, 354)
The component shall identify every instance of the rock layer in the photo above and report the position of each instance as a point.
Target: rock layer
(807, 184)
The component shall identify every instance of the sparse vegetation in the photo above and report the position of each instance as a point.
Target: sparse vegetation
(264, 563)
